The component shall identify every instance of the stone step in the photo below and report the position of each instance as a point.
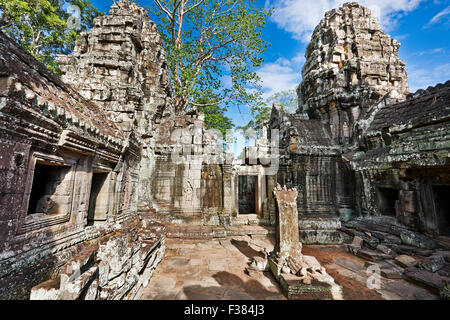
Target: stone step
(249, 219)
(207, 232)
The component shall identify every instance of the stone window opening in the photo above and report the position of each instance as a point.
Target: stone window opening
(50, 191)
(98, 198)
(442, 206)
(386, 201)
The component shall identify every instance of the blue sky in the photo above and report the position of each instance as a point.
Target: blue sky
(422, 27)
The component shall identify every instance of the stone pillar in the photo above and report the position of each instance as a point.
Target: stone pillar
(345, 182)
(228, 190)
(301, 277)
(288, 249)
(235, 180)
(260, 195)
(271, 181)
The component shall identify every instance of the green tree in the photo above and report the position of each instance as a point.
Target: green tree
(261, 113)
(287, 99)
(206, 40)
(214, 116)
(249, 133)
(46, 28)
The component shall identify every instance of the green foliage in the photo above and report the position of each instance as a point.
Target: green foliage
(287, 99)
(214, 116)
(261, 113)
(206, 40)
(41, 26)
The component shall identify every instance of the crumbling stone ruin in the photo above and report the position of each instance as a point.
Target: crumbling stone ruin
(300, 276)
(361, 147)
(121, 66)
(351, 64)
(97, 169)
(71, 160)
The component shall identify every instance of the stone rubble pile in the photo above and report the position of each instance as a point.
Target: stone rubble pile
(116, 266)
(400, 253)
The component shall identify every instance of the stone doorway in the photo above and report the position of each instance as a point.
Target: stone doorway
(442, 204)
(386, 199)
(247, 194)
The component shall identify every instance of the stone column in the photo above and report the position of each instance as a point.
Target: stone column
(271, 181)
(288, 249)
(260, 194)
(301, 277)
(228, 190)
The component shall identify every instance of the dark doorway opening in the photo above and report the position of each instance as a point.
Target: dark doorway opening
(98, 199)
(441, 196)
(386, 199)
(247, 193)
(46, 180)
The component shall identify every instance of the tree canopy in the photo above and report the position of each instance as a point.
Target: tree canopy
(214, 116)
(207, 41)
(46, 28)
(261, 113)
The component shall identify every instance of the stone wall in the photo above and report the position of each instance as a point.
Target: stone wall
(405, 163)
(189, 181)
(52, 142)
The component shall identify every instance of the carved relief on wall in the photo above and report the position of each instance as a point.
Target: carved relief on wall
(187, 191)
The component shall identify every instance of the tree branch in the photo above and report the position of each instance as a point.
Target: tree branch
(213, 103)
(194, 6)
(164, 9)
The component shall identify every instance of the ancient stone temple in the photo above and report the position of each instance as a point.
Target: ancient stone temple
(102, 183)
(352, 69)
(121, 66)
(71, 164)
(351, 64)
(404, 167)
(94, 156)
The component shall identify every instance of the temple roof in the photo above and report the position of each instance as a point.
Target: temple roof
(44, 89)
(423, 107)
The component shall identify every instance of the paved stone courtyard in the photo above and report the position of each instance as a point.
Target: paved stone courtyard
(211, 269)
(214, 269)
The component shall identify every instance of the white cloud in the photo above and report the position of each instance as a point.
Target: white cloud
(279, 76)
(299, 58)
(422, 78)
(300, 17)
(400, 37)
(432, 51)
(437, 18)
(282, 61)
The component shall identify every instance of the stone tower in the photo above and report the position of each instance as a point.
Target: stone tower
(351, 65)
(120, 64)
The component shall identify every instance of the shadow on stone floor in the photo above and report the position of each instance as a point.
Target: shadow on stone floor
(245, 248)
(232, 287)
